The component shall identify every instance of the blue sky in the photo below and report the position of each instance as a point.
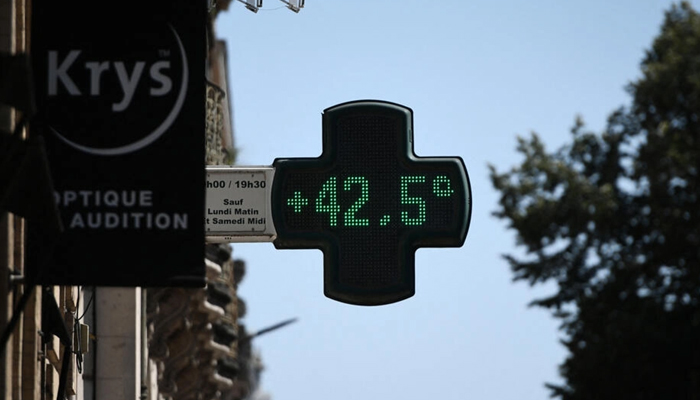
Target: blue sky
(477, 74)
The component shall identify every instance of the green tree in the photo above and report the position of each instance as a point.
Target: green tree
(614, 219)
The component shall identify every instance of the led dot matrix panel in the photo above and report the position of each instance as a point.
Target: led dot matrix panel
(368, 202)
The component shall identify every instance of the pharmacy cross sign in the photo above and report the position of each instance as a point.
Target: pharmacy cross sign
(368, 202)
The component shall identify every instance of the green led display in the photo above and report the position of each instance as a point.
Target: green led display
(368, 202)
(350, 219)
(419, 219)
(327, 201)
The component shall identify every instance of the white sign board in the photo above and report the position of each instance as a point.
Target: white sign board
(238, 204)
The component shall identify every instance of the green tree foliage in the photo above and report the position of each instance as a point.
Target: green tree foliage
(614, 219)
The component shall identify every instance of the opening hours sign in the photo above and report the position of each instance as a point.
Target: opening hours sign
(368, 202)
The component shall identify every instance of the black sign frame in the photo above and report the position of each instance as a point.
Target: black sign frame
(120, 91)
(343, 166)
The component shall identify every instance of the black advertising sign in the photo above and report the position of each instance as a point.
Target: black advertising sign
(120, 93)
(368, 202)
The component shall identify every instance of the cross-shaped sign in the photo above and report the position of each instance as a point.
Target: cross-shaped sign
(368, 202)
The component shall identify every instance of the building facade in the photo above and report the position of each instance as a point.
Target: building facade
(114, 343)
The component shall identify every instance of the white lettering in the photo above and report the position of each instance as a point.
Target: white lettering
(77, 221)
(94, 220)
(69, 196)
(166, 84)
(145, 198)
(96, 70)
(111, 198)
(111, 220)
(133, 220)
(180, 221)
(137, 219)
(162, 221)
(85, 194)
(129, 198)
(128, 84)
(60, 73)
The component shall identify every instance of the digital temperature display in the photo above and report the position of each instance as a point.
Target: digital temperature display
(368, 202)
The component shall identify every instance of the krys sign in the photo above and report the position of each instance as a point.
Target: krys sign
(120, 93)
